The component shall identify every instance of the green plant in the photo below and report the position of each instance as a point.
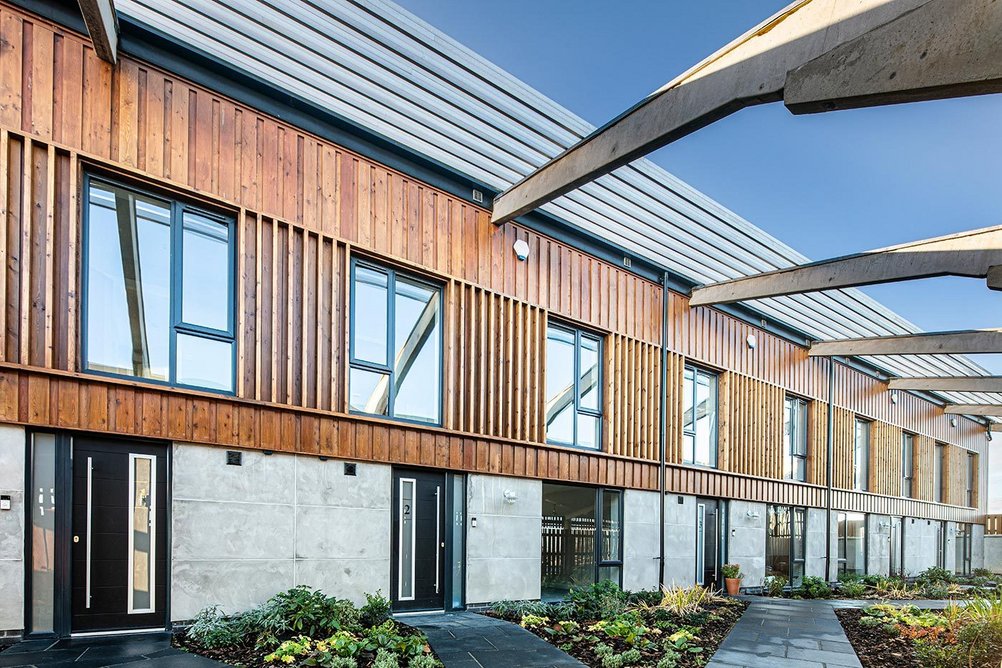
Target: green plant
(212, 629)
(533, 621)
(934, 575)
(518, 609)
(385, 659)
(610, 659)
(686, 600)
(424, 661)
(627, 627)
(375, 611)
(814, 587)
(853, 589)
(602, 600)
(732, 571)
(774, 585)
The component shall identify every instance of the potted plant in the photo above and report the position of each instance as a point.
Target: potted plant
(732, 578)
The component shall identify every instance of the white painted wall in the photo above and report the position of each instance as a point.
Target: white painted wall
(12, 448)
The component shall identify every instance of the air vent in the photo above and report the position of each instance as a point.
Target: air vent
(478, 196)
(349, 469)
(234, 458)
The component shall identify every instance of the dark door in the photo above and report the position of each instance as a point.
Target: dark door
(708, 547)
(418, 540)
(119, 543)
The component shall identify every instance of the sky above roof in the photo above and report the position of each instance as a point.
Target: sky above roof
(827, 184)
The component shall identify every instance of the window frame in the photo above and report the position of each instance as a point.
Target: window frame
(790, 456)
(842, 540)
(178, 206)
(907, 465)
(970, 475)
(579, 335)
(715, 440)
(391, 310)
(937, 473)
(793, 512)
(864, 484)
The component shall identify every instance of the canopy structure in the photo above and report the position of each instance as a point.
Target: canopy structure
(102, 24)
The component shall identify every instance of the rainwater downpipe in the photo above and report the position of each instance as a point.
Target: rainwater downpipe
(830, 448)
(663, 431)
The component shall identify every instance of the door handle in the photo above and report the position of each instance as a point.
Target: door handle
(90, 477)
(438, 534)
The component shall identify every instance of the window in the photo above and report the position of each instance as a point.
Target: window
(159, 289)
(582, 539)
(861, 456)
(939, 462)
(972, 466)
(940, 544)
(896, 548)
(699, 418)
(573, 387)
(907, 465)
(785, 543)
(962, 545)
(795, 435)
(396, 345)
(852, 543)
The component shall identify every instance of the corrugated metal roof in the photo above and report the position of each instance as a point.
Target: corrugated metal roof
(380, 66)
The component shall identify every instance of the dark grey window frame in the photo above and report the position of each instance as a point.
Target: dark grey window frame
(579, 335)
(970, 474)
(907, 465)
(178, 207)
(797, 438)
(863, 465)
(715, 438)
(365, 365)
(842, 541)
(937, 472)
(802, 561)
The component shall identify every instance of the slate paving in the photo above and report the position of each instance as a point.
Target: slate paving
(469, 640)
(150, 650)
(780, 633)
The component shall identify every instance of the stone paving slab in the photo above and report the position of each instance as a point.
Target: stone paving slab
(152, 650)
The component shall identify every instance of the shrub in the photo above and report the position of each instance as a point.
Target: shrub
(423, 661)
(686, 600)
(853, 589)
(375, 611)
(602, 600)
(610, 659)
(628, 627)
(518, 609)
(814, 587)
(385, 659)
(212, 629)
(774, 585)
(731, 571)
(934, 575)
(533, 621)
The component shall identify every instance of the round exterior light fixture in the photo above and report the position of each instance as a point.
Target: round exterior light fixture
(894, 397)
(953, 422)
(521, 248)
(751, 341)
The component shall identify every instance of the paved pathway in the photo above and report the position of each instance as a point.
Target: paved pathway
(781, 633)
(469, 640)
(153, 650)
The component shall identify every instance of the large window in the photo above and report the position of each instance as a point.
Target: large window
(896, 540)
(699, 419)
(852, 543)
(938, 464)
(396, 345)
(972, 467)
(962, 545)
(861, 456)
(573, 387)
(582, 537)
(159, 289)
(907, 465)
(785, 543)
(940, 544)
(795, 437)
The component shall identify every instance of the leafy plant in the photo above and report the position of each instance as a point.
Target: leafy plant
(424, 661)
(375, 611)
(533, 621)
(610, 659)
(602, 600)
(212, 629)
(686, 600)
(732, 571)
(518, 609)
(774, 585)
(386, 659)
(814, 587)
(934, 575)
(853, 589)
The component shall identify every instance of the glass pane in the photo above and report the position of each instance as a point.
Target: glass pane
(777, 541)
(611, 573)
(688, 447)
(861, 454)
(369, 315)
(568, 558)
(368, 391)
(611, 548)
(799, 534)
(706, 420)
(204, 362)
(406, 575)
(417, 354)
(143, 531)
(590, 375)
(458, 534)
(559, 385)
(788, 428)
(128, 283)
(855, 543)
(205, 279)
(588, 431)
(43, 531)
(801, 441)
(688, 392)
(800, 469)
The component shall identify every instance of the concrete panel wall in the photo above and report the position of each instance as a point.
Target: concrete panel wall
(242, 533)
(746, 540)
(878, 545)
(993, 553)
(920, 545)
(977, 546)
(504, 551)
(640, 540)
(950, 554)
(814, 562)
(12, 448)
(680, 539)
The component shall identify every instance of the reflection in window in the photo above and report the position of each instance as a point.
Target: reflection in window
(699, 417)
(396, 345)
(907, 465)
(852, 543)
(142, 547)
(795, 439)
(972, 466)
(938, 464)
(142, 252)
(962, 547)
(573, 387)
(785, 540)
(42, 499)
(897, 545)
(861, 456)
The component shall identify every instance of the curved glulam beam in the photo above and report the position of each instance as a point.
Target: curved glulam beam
(968, 342)
(102, 23)
(948, 384)
(973, 409)
(973, 254)
(916, 55)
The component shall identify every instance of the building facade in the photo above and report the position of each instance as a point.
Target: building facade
(239, 355)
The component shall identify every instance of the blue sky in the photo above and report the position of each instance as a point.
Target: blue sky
(826, 184)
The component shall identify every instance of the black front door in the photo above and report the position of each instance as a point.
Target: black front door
(708, 542)
(119, 542)
(418, 540)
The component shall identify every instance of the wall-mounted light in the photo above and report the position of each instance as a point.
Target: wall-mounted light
(752, 514)
(751, 341)
(953, 422)
(510, 497)
(521, 248)
(884, 525)
(894, 397)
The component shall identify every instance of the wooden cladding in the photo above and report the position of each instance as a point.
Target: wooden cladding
(925, 454)
(993, 525)
(750, 426)
(885, 459)
(631, 422)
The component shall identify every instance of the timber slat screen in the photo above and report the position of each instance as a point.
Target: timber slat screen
(993, 525)
(304, 209)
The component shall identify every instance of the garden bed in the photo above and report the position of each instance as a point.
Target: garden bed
(604, 627)
(932, 584)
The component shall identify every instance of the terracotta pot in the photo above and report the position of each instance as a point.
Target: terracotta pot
(733, 586)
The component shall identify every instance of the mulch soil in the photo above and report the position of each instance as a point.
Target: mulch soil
(710, 635)
(874, 647)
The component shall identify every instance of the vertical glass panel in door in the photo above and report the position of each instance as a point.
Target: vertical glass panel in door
(799, 546)
(895, 547)
(142, 536)
(369, 320)
(612, 526)
(457, 538)
(855, 543)
(416, 357)
(405, 578)
(42, 497)
(205, 268)
(204, 362)
(128, 319)
(777, 542)
(559, 385)
(569, 550)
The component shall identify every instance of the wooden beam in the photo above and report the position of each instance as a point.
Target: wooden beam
(789, 47)
(934, 343)
(973, 409)
(948, 384)
(996, 427)
(972, 254)
(102, 24)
